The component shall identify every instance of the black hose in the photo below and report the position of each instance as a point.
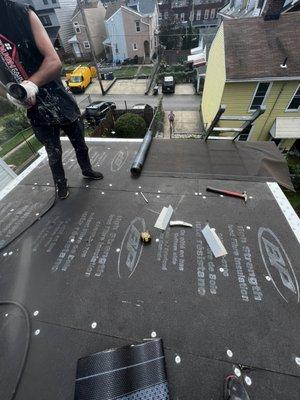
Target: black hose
(140, 157)
(26, 351)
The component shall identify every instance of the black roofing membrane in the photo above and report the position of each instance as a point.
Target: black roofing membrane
(82, 263)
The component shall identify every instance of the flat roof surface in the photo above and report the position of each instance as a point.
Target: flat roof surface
(82, 262)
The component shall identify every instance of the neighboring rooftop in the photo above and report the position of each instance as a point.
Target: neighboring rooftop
(85, 5)
(112, 7)
(257, 48)
(146, 6)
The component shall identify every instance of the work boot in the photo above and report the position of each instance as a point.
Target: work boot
(90, 174)
(62, 190)
(234, 389)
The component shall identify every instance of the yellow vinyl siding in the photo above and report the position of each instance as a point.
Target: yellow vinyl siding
(279, 97)
(238, 96)
(215, 79)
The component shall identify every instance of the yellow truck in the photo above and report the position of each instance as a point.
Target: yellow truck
(80, 78)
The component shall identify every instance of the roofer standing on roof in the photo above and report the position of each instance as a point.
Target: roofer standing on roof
(28, 57)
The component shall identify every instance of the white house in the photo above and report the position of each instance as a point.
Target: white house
(131, 30)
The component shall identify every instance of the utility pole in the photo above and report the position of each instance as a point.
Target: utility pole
(88, 33)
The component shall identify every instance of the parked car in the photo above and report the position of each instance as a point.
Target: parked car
(97, 110)
(168, 85)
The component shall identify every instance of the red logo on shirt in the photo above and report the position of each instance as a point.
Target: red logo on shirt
(10, 57)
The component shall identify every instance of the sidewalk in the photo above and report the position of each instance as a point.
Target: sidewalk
(186, 123)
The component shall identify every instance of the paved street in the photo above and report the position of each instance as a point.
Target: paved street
(170, 102)
(184, 102)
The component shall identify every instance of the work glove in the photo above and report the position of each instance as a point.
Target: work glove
(31, 90)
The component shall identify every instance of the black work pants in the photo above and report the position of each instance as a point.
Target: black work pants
(49, 136)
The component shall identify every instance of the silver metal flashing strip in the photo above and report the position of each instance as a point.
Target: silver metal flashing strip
(285, 206)
(8, 188)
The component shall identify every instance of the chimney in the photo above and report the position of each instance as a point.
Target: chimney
(272, 9)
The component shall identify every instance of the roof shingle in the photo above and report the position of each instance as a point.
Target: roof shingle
(255, 48)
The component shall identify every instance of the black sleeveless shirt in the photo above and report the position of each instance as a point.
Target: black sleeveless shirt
(20, 58)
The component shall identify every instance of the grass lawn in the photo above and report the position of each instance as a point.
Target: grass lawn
(125, 72)
(23, 153)
(15, 141)
(146, 70)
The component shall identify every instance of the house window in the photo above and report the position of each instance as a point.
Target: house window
(76, 27)
(45, 2)
(86, 44)
(176, 17)
(137, 26)
(198, 16)
(192, 16)
(259, 95)
(54, 1)
(206, 14)
(45, 19)
(166, 15)
(116, 48)
(182, 17)
(294, 104)
(212, 13)
(134, 46)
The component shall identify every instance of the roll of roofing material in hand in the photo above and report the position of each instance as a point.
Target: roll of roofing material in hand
(126, 373)
(141, 155)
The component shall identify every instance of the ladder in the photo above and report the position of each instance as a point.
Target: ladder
(239, 133)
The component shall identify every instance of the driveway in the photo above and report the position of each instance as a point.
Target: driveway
(129, 86)
(184, 88)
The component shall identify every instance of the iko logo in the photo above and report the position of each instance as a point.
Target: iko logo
(119, 160)
(278, 265)
(131, 248)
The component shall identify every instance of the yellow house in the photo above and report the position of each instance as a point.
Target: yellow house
(256, 62)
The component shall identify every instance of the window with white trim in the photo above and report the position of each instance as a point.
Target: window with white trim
(198, 16)
(134, 46)
(166, 15)
(294, 104)
(206, 14)
(137, 26)
(86, 44)
(213, 13)
(259, 95)
(76, 27)
(182, 17)
(176, 17)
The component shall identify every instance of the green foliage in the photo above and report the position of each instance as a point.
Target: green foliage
(130, 126)
(14, 123)
(15, 141)
(6, 107)
(24, 153)
(158, 120)
(295, 176)
(183, 76)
